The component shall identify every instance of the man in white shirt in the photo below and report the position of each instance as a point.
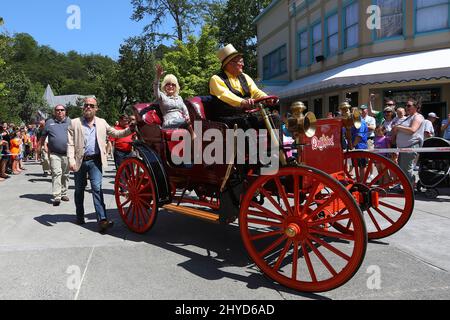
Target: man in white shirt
(429, 129)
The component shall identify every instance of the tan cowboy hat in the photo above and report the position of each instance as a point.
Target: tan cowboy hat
(227, 53)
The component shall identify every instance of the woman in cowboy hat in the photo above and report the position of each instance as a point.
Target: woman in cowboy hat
(233, 91)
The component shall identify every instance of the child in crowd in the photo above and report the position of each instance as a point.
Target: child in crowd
(382, 141)
(15, 149)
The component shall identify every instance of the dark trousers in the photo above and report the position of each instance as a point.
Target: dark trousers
(119, 156)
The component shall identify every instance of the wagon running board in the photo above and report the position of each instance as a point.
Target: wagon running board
(192, 212)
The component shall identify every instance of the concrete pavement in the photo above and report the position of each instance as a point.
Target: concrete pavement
(44, 255)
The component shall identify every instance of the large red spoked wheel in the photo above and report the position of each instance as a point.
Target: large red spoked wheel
(378, 176)
(135, 195)
(291, 238)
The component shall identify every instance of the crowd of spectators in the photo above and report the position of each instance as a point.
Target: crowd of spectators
(18, 144)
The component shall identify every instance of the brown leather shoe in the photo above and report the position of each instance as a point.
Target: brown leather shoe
(65, 198)
(105, 225)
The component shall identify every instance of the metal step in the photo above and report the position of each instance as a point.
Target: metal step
(192, 212)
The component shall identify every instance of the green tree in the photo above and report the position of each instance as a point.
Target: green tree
(235, 23)
(135, 72)
(185, 14)
(3, 47)
(194, 62)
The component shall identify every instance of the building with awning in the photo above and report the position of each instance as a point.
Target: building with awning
(325, 52)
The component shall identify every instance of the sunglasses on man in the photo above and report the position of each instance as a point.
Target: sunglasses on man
(89, 105)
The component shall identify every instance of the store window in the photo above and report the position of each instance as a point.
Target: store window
(432, 15)
(391, 18)
(351, 25)
(303, 46)
(275, 63)
(316, 41)
(332, 35)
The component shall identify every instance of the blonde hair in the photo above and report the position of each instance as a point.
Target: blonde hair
(170, 78)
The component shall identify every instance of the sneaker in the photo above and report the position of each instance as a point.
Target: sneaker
(56, 203)
(65, 199)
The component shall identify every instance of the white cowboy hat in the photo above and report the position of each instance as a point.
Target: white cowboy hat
(227, 53)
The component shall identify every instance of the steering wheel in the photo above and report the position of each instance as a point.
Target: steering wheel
(263, 99)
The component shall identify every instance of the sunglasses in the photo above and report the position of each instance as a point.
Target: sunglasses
(88, 105)
(60, 110)
(171, 85)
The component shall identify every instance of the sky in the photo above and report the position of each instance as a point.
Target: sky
(104, 24)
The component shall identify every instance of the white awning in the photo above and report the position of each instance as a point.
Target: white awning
(388, 69)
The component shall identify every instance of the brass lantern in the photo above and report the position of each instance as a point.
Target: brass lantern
(299, 123)
(350, 117)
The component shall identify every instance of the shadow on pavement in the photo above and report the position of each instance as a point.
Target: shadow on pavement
(40, 180)
(46, 198)
(49, 220)
(221, 246)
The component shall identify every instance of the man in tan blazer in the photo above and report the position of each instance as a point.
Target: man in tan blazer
(87, 138)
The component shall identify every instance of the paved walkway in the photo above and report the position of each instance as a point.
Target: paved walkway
(44, 255)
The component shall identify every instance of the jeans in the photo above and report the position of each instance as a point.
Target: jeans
(60, 175)
(119, 156)
(93, 168)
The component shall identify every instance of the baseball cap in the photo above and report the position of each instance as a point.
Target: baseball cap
(388, 109)
(363, 107)
(433, 115)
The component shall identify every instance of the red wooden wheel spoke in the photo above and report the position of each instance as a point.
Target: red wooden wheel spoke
(126, 172)
(295, 261)
(378, 177)
(266, 235)
(308, 263)
(272, 246)
(138, 214)
(265, 223)
(330, 247)
(145, 195)
(283, 196)
(329, 220)
(296, 195)
(311, 197)
(356, 168)
(272, 201)
(128, 210)
(392, 196)
(384, 204)
(381, 213)
(266, 212)
(322, 258)
(282, 255)
(133, 214)
(368, 170)
(141, 179)
(123, 186)
(125, 203)
(375, 222)
(262, 215)
(332, 234)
